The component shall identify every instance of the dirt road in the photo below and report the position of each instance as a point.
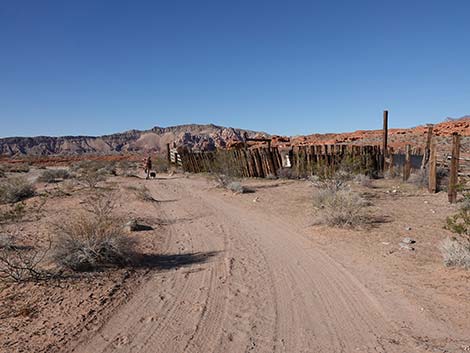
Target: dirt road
(238, 280)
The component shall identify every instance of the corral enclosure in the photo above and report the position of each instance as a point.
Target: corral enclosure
(300, 160)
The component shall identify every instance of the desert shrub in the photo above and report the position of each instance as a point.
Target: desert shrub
(65, 188)
(442, 175)
(455, 253)
(15, 212)
(160, 165)
(17, 168)
(2, 172)
(337, 205)
(15, 189)
(222, 180)
(328, 184)
(392, 174)
(21, 263)
(91, 177)
(287, 173)
(236, 187)
(352, 165)
(459, 223)
(419, 178)
(52, 175)
(126, 168)
(93, 239)
(363, 180)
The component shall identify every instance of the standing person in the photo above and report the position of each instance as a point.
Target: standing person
(148, 167)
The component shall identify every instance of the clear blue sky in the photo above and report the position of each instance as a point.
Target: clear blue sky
(286, 67)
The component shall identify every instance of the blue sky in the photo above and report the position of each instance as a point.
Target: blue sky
(285, 67)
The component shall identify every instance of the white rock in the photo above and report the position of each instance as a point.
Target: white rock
(406, 247)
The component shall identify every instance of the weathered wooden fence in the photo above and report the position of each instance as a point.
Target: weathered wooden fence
(300, 160)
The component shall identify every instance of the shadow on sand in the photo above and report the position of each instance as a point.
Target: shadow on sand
(170, 261)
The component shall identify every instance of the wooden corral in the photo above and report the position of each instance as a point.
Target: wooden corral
(301, 160)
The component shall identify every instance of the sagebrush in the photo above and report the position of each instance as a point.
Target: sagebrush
(337, 205)
(15, 189)
(93, 238)
(455, 252)
(21, 263)
(53, 175)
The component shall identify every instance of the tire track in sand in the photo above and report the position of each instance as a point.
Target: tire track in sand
(267, 290)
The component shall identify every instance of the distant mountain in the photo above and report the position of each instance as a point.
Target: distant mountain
(203, 137)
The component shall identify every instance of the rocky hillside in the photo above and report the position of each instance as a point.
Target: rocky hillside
(397, 138)
(204, 137)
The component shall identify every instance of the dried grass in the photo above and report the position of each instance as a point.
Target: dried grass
(338, 206)
(15, 189)
(93, 239)
(53, 175)
(455, 253)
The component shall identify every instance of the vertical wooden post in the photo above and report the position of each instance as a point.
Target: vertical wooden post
(384, 139)
(407, 166)
(391, 164)
(454, 168)
(432, 182)
(168, 153)
(427, 150)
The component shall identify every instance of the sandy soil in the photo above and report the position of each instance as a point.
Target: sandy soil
(239, 273)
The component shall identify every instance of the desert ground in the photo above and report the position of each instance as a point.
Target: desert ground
(218, 271)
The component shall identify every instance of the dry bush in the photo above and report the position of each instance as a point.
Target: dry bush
(222, 180)
(126, 168)
(93, 239)
(21, 263)
(392, 174)
(16, 168)
(13, 213)
(455, 253)
(53, 175)
(66, 188)
(287, 173)
(22, 211)
(337, 205)
(459, 223)
(419, 178)
(91, 177)
(2, 172)
(91, 173)
(160, 165)
(442, 175)
(237, 187)
(15, 189)
(363, 180)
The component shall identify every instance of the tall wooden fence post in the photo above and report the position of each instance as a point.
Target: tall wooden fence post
(168, 155)
(407, 166)
(432, 181)
(454, 168)
(427, 150)
(385, 139)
